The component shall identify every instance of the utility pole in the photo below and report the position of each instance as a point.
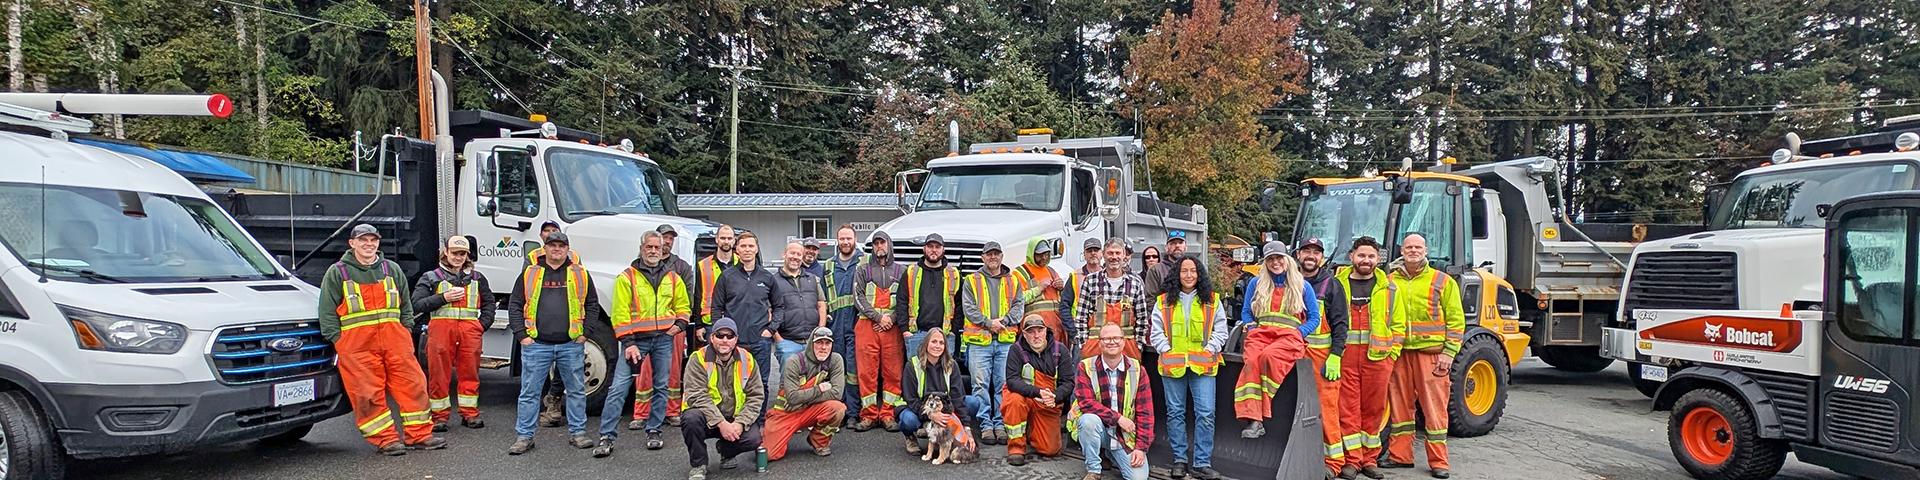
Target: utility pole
(733, 129)
(423, 66)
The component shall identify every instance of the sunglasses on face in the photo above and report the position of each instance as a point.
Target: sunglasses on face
(723, 336)
(1153, 257)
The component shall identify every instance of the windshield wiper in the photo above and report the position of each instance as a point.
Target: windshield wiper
(1003, 204)
(592, 213)
(81, 272)
(943, 201)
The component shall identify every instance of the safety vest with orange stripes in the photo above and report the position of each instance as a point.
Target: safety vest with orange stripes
(708, 272)
(532, 282)
(1424, 313)
(364, 304)
(912, 280)
(1188, 327)
(639, 306)
(994, 303)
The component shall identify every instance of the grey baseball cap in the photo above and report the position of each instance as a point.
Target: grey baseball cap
(1274, 248)
(820, 333)
(665, 229)
(724, 323)
(1091, 244)
(363, 229)
(558, 237)
(992, 246)
(935, 238)
(1045, 247)
(810, 243)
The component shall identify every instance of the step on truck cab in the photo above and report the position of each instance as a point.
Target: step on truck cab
(1835, 386)
(136, 316)
(1763, 236)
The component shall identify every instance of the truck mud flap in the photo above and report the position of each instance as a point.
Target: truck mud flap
(1291, 448)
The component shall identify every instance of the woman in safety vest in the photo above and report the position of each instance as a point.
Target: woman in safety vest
(1189, 329)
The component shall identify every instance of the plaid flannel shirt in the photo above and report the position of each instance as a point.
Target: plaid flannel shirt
(1102, 405)
(1095, 288)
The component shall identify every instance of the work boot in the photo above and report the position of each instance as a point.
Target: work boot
(999, 435)
(637, 425)
(1091, 476)
(439, 427)
(474, 422)
(1179, 470)
(582, 442)
(393, 449)
(673, 421)
(1347, 473)
(865, 424)
(654, 442)
(891, 425)
(550, 412)
(697, 473)
(1017, 459)
(1442, 473)
(1205, 473)
(1373, 473)
(826, 451)
(1390, 464)
(913, 446)
(431, 443)
(521, 445)
(730, 463)
(1254, 430)
(605, 448)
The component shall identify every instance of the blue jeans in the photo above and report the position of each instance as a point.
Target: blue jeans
(1094, 441)
(988, 366)
(914, 340)
(763, 357)
(842, 326)
(1199, 389)
(785, 349)
(657, 349)
(910, 420)
(571, 361)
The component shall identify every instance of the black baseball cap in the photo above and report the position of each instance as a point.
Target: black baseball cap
(1312, 242)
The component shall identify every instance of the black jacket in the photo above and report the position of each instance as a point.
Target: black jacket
(549, 327)
(425, 301)
(1056, 361)
(749, 299)
(950, 386)
(1333, 306)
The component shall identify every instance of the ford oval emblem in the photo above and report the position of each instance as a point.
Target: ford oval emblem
(1686, 246)
(286, 344)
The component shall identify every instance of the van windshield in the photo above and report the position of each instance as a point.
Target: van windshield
(98, 235)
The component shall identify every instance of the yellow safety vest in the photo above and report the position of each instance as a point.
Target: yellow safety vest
(1187, 337)
(576, 298)
(461, 310)
(650, 308)
(1128, 390)
(992, 307)
(708, 270)
(912, 278)
(740, 370)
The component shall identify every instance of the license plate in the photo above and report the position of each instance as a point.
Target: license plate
(292, 393)
(1654, 373)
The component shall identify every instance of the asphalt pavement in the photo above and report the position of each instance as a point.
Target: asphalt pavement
(1558, 425)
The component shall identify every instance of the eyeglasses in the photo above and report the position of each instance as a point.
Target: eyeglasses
(724, 336)
(1112, 339)
(1153, 257)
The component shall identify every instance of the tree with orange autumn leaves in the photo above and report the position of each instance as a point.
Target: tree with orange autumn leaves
(1199, 81)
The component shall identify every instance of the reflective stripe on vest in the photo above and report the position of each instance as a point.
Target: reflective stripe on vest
(1048, 301)
(708, 271)
(1322, 336)
(1187, 337)
(1384, 340)
(355, 310)
(533, 283)
(1359, 317)
(836, 300)
(740, 369)
(1128, 388)
(652, 306)
(1434, 327)
(1269, 314)
(951, 277)
(461, 310)
(1108, 311)
(992, 307)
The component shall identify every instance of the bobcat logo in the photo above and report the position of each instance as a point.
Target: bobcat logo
(1713, 332)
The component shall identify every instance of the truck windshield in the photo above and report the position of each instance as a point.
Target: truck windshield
(588, 183)
(1023, 187)
(1786, 199)
(1341, 213)
(99, 235)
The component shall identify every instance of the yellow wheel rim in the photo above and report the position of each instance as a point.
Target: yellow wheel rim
(1482, 384)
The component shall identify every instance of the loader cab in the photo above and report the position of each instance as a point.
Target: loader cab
(1436, 205)
(1871, 365)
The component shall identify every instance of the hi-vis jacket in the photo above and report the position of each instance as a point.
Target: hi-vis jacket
(1424, 311)
(987, 297)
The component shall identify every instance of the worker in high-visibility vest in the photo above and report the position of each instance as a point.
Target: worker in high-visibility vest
(552, 335)
(706, 274)
(1044, 291)
(729, 406)
(1092, 264)
(1189, 329)
(992, 325)
(1364, 379)
(809, 398)
(1039, 387)
(1423, 336)
(1112, 409)
(1281, 310)
(1113, 297)
(364, 312)
(930, 294)
(462, 308)
(551, 414)
(649, 309)
(841, 312)
(1325, 346)
(877, 340)
(642, 405)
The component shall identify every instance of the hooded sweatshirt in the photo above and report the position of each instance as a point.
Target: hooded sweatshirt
(331, 295)
(800, 380)
(552, 319)
(883, 273)
(1333, 305)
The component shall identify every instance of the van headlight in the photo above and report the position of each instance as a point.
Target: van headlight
(115, 333)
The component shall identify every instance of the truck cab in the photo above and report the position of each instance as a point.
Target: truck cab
(1036, 187)
(1834, 386)
(136, 316)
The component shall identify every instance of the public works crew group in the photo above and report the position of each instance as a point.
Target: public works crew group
(714, 347)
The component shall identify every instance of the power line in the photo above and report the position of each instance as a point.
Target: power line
(475, 60)
(304, 17)
(1644, 116)
(1895, 101)
(803, 127)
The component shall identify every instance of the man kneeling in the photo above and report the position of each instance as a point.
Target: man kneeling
(723, 399)
(810, 388)
(1113, 408)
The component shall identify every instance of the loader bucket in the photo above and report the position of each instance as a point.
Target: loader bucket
(1291, 448)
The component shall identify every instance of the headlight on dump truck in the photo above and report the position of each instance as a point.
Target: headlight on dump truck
(115, 333)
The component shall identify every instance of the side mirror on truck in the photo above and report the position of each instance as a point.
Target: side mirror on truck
(905, 198)
(1112, 192)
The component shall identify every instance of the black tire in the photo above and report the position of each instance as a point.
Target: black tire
(1577, 359)
(1462, 421)
(599, 371)
(288, 437)
(27, 443)
(1753, 458)
(1646, 387)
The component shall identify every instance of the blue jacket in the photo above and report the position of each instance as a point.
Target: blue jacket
(1307, 296)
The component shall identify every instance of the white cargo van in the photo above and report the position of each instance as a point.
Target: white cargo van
(136, 317)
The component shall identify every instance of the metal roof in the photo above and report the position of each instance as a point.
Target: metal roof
(789, 201)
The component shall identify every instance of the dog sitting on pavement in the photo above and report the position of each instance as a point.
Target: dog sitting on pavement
(948, 441)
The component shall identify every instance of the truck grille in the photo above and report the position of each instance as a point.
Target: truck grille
(1861, 421)
(1683, 280)
(965, 255)
(264, 353)
(1792, 398)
